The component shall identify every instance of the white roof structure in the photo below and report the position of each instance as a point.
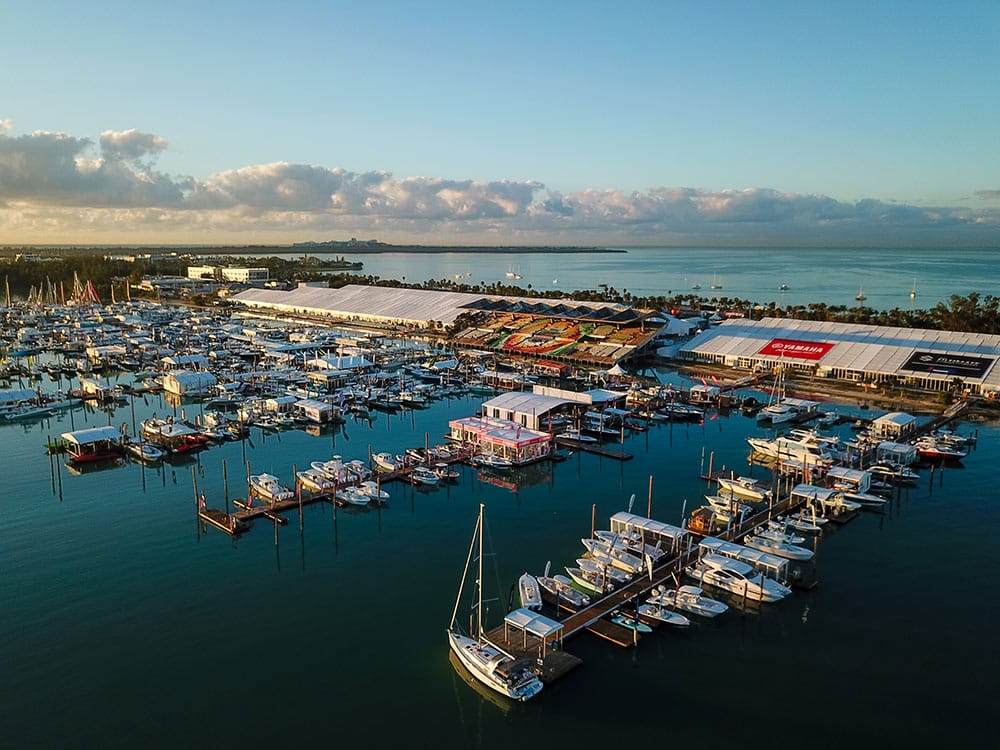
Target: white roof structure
(533, 623)
(853, 348)
(92, 435)
(392, 304)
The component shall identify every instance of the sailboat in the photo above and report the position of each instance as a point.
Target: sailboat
(716, 284)
(860, 296)
(777, 410)
(913, 290)
(487, 662)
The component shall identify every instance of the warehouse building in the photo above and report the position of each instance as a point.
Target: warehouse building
(922, 358)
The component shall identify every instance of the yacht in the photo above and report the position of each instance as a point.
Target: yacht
(486, 661)
(688, 598)
(737, 578)
(928, 447)
(808, 452)
(742, 487)
(270, 488)
(767, 543)
(724, 507)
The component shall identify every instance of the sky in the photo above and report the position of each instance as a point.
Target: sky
(626, 123)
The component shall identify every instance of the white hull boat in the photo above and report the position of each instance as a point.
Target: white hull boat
(590, 581)
(487, 662)
(737, 578)
(531, 592)
(603, 569)
(741, 487)
(660, 613)
(777, 547)
(269, 487)
(615, 556)
(689, 599)
(561, 587)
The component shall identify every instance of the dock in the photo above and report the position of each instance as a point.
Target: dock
(596, 448)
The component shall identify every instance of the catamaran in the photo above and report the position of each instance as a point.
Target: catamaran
(486, 661)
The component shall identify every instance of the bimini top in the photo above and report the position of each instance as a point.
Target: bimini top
(92, 435)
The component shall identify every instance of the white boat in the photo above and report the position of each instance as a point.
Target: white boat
(603, 569)
(316, 482)
(592, 582)
(572, 433)
(744, 487)
(631, 543)
(353, 496)
(619, 557)
(928, 447)
(664, 614)
(146, 452)
(492, 461)
(374, 491)
(446, 473)
(724, 507)
(893, 474)
(270, 488)
(688, 598)
(805, 521)
(486, 661)
(531, 592)
(778, 547)
(423, 475)
(737, 578)
(561, 587)
(778, 529)
(386, 462)
(333, 469)
(785, 448)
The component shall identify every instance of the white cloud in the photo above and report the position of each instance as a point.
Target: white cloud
(55, 182)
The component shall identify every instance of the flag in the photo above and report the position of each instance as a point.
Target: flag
(201, 501)
(715, 380)
(704, 382)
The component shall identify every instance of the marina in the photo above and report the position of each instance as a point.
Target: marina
(296, 490)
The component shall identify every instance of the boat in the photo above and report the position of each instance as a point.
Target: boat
(423, 475)
(492, 461)
(602, 569)
(724, 507)
(928, 447)
(808, 522)
(860, 296)
(766, 543)
(333, 469)
(315, 481)
(782, 287)
(574, 434)
(353, 496)
(446, 473)
(631, 543)
(688, 598)
(373, 490)
(716, 284)
(662, 613)
(487, 662)
(590, 582)
(530, 590)
(893, 474)
(810, 453)
(742, 487)
(146, 452)
(737, 578)
(561, 587)
(386, 462)
(696, 286)
(619, 557)
(913, 289)
(629, 621)
(777, 410)
(269, 487)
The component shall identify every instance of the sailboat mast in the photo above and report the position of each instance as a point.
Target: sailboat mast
(472, 545)
(479, 579)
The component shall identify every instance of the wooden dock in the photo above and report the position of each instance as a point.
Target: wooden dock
(596, 448)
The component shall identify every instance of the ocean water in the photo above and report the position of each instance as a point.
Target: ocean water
(126, 624)
(831, 275)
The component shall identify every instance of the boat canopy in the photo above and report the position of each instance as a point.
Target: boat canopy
(92, 435)
(770, 565)
(533, 623)
(652, 531)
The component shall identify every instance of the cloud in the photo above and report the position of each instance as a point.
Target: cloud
(53, 185)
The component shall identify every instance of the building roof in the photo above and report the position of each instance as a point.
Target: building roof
(524, 402)
(884, 350)
(92, 435)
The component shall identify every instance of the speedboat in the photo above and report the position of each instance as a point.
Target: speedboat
(592, 582)
(270, 488)
(931, 448)
(894, 473)
(632, 543)
(492, 461)
(778, 530)
(616, 556)
(687, 598)
(373, 490)
(314, 481)
(531, 592)
(332, 469)
(629, 621)
(423, 475)
(744, 487)
(724, 507)
(778, 547)
(656, 611)
(603, 569)
(446, 473)
(386, 462)
(806, 522)
(737, 578)
(146, 452)
(561, 587)
(353, 496)
(574, 434)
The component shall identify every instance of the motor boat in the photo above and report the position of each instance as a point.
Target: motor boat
(270, 488)
(632, 543)
(387, 462)
(619, 557)
(724, 507)
(146, 452)
(374, 491)
(423, 475)
(353, 496)
(530, 590)
(738, 578)
(742, 487)
(688, 598)
(778, 547)
(314, 481)
(574, 434)
(778, 530)
(662, 613)
(561, 587)
(446, 473)
(939, 449)
(589, 581)
(603, 569)
(629, 621)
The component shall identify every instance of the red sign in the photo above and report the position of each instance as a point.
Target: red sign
(796, 349)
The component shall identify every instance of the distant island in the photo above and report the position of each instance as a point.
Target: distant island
(357, 246)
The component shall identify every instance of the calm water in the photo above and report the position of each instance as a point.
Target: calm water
(124, 625)
(833, 276)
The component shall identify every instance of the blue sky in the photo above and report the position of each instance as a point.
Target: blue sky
(645, 123)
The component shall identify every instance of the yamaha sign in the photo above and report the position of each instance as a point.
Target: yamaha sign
(813, 350)
(949, 364)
